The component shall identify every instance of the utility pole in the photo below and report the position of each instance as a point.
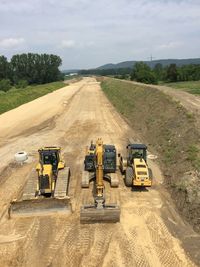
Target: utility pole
(151, 59)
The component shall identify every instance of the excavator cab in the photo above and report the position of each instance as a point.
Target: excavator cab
(109, 159)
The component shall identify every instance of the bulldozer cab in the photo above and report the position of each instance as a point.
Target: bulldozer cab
(50, 156)
(136, 151)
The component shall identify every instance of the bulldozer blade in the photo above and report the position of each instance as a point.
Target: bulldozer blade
(108, 214)
(40, 207)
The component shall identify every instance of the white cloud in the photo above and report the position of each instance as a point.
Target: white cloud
(88, 33)
(8, 43)
(170, 45)
(68, 44)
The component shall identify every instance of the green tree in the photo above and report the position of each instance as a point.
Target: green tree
(4, 68)
(35, 68)
(158, 70)
(172, 73)
(142, 73)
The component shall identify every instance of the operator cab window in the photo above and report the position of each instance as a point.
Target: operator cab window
(137, 153)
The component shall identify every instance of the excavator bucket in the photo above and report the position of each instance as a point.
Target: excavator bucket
(108, 214)
(39, 207)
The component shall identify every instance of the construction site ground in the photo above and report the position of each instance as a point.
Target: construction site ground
(150, 232)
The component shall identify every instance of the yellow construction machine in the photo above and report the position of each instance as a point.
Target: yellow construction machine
(100, 165)
(134, 166)
(47, 186)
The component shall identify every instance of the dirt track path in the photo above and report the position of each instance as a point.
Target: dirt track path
(149, 229)
(189, 101)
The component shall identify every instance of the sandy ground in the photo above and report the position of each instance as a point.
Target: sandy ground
(150, 232)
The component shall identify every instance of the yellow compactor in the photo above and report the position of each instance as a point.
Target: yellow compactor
(46, 190)
(134, 166)
(100, 165)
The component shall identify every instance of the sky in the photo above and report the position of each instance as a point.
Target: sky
(90, 33)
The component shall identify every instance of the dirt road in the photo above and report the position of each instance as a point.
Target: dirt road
(150, 233)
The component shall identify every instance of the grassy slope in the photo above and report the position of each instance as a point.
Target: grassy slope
(166, 127)
(17, 97)
(192, 87)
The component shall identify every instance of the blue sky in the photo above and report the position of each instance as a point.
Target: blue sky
(89, 33)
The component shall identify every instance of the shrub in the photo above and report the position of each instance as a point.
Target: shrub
(5, 85)
(21, 84)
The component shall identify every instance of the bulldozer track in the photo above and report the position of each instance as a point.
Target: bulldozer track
(30, 187)
(62, 183)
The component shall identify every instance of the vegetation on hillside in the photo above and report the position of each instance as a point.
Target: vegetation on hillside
(29, 68)
(16, 97)
(143, 106)
(141, 72)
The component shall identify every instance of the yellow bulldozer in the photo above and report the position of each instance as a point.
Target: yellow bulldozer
(134, 166)
(100, 165)
(47, 187)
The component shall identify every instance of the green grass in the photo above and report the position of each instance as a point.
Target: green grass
(194, 156)
(16, 97)
(192, 87)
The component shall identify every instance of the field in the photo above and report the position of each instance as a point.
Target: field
(192, 87)
(16, 97)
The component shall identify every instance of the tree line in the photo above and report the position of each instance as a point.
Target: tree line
(25, 69)
(141, 72)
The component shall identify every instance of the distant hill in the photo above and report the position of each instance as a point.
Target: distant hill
(164, 62)
(70, 71)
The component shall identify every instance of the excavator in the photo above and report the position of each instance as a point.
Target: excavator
(46, 190)
(100, 165)
(134, 166)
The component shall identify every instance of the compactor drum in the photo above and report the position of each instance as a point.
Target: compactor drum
(100, 165)
(46, 190)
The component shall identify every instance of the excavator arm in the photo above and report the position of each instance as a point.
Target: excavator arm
(99, 169)
(99, 211)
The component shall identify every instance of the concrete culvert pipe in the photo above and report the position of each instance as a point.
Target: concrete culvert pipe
(151, 156)
(21, 156)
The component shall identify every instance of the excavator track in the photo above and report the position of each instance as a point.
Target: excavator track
(85, 180)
